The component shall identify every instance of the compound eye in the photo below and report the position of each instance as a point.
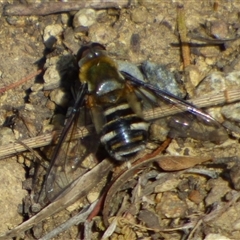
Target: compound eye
(85, 50)
(97, 46)
(89, 52)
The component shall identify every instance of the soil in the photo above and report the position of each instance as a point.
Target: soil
(193, 205)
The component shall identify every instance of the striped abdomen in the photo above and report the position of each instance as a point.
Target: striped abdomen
(124, 133)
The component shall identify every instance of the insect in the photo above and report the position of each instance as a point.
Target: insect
(116, 101)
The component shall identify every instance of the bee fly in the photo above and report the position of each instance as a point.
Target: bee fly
(116, 101)
(114, 107)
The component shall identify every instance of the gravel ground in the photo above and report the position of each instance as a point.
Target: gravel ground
(41, 49)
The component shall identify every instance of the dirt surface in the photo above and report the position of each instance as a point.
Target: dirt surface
(179, 205)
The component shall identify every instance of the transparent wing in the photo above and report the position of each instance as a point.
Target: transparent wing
(186, 120)
(67, 155)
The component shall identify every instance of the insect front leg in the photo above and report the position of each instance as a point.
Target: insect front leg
(96, 111)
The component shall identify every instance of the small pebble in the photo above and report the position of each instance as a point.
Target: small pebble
(51, 78)
(57, 67)
(51, 34)
(27, 184)
(149, 218)
(139, 15)
(6, 135)
(195, 196)
(167, 185)
(29, 107)
(60, 97)
(171, 206)
(84, 17)
(130, 68)
(92, 196)
(210, 52)
(38, 231)
(50, 105)
(65, 18)
(219, 188)
(231, 112)
(20, 159)
(158, 197)
(36, 207)
(78, 204)
(219, 29)
(214, 83)
(37, 87)
(97, 33)
(193, 78)
(160, 76)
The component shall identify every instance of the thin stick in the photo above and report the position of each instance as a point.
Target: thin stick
(58, 7)
(40, 141)
(182, 29)
(229, 96)
(21, 81)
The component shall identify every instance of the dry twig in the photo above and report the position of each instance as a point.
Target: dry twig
(182, 29)
(58, 7)
(20, 82)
